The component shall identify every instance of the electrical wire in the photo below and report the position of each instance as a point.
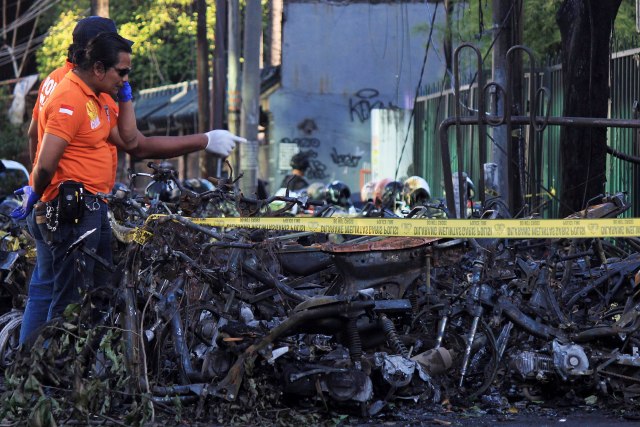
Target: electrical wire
(404, 37)
(484, 58)
(589, 132)
(417, 92)
(20, 50)
(448, 72)
(9, 53)
(37, 8)
(441, 97)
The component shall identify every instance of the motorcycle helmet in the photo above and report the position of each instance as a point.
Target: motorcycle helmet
(198, 185)
(316, 191)
(392, 195)
(165, 191)
(338, 193)
(416, 191)
(379, 190)
(471, 189)
(366, 192)
(120, 190)
(280, 204)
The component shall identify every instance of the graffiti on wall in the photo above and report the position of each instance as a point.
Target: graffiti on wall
(348, 160)
(302, 142)
(317, 169)
(365, 100)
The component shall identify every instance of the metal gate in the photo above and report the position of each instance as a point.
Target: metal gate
(437, 104)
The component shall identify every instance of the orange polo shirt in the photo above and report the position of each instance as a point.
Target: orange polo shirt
(74, 113)
(48, 85)
(46, 89)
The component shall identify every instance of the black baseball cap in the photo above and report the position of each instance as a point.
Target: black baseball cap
(89, 27)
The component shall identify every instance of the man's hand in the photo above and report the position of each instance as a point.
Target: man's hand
(29, 198)
(222, 142)
(124, 93)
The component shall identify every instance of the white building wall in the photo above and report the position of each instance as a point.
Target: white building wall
(339, 62)
(391, 145)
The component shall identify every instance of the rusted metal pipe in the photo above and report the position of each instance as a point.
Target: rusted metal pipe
(511, 172)
(606, 331)
(519, 120)
(530, 325)
(481, 125)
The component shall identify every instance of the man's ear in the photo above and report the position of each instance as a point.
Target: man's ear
(99, 70)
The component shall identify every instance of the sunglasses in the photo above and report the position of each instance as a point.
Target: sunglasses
(122, 71)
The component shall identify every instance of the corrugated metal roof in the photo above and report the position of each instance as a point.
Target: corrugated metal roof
(188, 96)
(188, 111)
(177, 104)
(150, 100)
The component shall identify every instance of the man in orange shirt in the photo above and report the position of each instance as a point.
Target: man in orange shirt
(75, 128)
(41, 282)
(69, 150)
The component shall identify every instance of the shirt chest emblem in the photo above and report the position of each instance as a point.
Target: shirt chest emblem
(92, 112)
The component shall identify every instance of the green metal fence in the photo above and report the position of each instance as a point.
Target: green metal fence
(625, 93)
(437, 104)
(430, 110)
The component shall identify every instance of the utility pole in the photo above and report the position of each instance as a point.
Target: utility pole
(506, 150)
(233, 72)
(202, 74)
(447, 43)
(100, 8)
(250, 111)
(218, 95)
(518, 138)
(275, 33)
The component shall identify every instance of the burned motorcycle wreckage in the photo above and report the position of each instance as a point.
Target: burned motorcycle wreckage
(260, 317)
(17, 258)
(291, 306)
(234, 319)
(372, 319)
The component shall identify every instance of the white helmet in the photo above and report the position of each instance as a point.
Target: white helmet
(416, 191)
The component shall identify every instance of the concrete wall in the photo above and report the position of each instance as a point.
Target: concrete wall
(339, 62)
(391, 146)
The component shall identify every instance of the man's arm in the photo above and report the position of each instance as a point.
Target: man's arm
(50, 154)
(127, 137)
(159, 147)
(127, 129)
(164, 147)
(32, 138)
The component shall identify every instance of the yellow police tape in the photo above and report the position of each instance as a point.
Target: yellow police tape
(452, 228)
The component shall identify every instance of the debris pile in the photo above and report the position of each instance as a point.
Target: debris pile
(227, 321)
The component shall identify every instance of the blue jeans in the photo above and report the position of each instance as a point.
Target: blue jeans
(69, 278)
(40, 286)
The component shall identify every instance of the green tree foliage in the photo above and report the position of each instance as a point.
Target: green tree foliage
(53, 51)
(163, 31)
(472, 22)
(625, 25)
(12, 137)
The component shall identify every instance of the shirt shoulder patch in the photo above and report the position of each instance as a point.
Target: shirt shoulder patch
(66, 109)
(92, 112)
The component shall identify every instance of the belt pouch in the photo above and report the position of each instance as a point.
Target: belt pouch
(70, 201)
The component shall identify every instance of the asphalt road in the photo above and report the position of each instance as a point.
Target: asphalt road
(533, 415)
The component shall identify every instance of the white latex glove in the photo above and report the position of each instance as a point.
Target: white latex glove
(222, 142)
